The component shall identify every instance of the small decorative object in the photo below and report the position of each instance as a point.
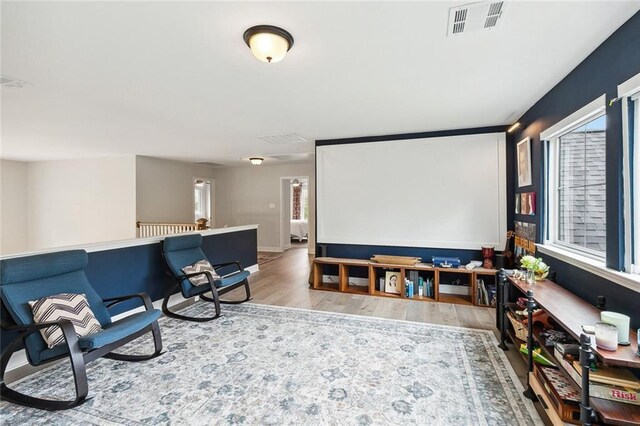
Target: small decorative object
(524, 162)
(487, 255)
(517, 203)
(395, 260)
(539, 268)
(531, 277)
(606, 336)
(392, 282)
(445, 262)
(621, 321)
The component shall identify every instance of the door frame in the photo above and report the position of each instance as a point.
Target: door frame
(286, 243)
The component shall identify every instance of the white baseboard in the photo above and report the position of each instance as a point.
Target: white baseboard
(19, 359)
(270, 249)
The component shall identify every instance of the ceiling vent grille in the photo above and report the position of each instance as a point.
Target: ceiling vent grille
(284, 139)
(475, 17)
(209, 164)
(292, 157)
(10, 82)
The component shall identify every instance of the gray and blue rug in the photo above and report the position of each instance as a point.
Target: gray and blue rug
(264, 365)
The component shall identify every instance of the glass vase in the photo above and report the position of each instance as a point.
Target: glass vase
(531, 277)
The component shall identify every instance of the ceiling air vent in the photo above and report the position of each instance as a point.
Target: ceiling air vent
(475, 17)
(10, 82)
(209, 164)
(283, 139)
(292, 157)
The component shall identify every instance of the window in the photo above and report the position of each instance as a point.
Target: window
(634, 147)
(299, 199)
(577, 186)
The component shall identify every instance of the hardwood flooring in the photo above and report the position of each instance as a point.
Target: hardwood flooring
(285, 282)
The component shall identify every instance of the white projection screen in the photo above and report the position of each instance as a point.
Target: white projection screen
(442, 192)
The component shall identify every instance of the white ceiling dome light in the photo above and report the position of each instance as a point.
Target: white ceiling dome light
(256, 161)
(268, 43)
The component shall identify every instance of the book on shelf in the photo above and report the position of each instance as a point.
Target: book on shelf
(486, 293)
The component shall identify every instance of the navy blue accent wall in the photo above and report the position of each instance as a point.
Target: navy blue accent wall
(366, 251)
(616, 60)
(141, 269)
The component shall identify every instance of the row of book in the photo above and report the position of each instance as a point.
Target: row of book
(486, 293)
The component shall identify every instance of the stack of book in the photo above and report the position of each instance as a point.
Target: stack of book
(612, 383)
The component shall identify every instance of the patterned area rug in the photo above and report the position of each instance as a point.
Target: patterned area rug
(269, 365)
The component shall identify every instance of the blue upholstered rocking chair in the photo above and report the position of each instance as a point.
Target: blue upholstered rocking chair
(185, 250)
(31, 278)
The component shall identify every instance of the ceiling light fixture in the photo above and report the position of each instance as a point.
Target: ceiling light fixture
(268, 43)
(256, 161)
(513, 127)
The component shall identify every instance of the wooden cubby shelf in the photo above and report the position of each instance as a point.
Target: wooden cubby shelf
(374, 271)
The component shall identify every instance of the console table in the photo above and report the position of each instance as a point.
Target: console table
(374, 270)
(570, 313)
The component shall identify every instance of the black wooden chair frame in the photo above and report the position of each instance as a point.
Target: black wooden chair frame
(76, 356)
(215, 291)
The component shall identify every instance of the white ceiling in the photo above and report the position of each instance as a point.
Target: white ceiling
(175, 79)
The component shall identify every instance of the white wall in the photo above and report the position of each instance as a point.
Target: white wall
(13, 207)
(165, 190)
(81, 201)
(244, 196)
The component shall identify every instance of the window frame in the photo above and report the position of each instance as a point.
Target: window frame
(552, 171)
(629, 92)
(632, 182)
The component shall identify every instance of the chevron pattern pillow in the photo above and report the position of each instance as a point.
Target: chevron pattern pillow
(200, 266)
(73, 307)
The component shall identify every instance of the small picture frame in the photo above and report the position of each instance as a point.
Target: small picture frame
(517, 203)
(523, 151)
(528, 203)
(392, 282)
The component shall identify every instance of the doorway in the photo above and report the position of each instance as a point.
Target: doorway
(294, 212)
(203, 200)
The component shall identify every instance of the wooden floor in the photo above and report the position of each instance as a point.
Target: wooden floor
(285, 282)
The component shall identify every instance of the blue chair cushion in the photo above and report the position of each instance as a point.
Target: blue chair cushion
(113, 332)
(227, 281)
(31, 278)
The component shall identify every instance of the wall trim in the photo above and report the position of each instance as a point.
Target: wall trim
(630, 281)
(270, 249)
(419, 135)
(112, 245)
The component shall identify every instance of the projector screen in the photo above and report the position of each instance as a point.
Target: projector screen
(444, 192)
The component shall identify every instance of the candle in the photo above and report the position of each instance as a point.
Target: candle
(606, 336)
(619, 320)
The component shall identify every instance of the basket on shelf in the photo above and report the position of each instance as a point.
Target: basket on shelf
(519, 328)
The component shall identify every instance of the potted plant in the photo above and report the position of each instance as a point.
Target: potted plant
(539, 269)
